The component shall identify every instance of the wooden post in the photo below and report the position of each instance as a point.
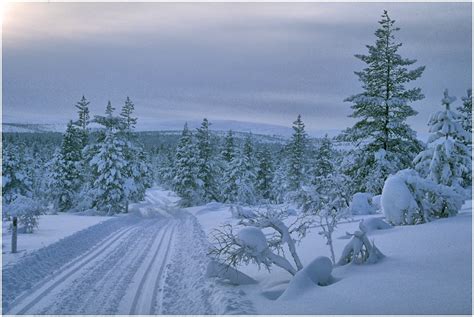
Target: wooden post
(14, 234)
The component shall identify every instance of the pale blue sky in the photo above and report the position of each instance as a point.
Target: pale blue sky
(258, 62)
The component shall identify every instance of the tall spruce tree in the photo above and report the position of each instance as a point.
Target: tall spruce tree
(323, 159)
(108, 165)
(229, 189)
(16, 179)
(185, 169)
(243, 166)
(66, 174)
(205, 164)
(127, 114)
(382, 110)
(466, 113)
(297, 156)
(83, 119)
(265, 174)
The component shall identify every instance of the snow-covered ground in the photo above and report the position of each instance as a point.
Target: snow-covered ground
(151, 261)
(52, 228)
(427, 270)
(154, 261)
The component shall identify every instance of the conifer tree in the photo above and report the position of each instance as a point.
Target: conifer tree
(466, 113)
(16, 179)
(83, 120)
(108, 166)
(297, 152)
(68, 171)
(382, 110)
(265, 174)
(205, 173)
(323, 159)
(185, 169)
(447, 157)
(229, 173)
(127, 114)
(243, 166)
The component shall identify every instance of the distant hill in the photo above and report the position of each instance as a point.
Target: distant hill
(217, 125)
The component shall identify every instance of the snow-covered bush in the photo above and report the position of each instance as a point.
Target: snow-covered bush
(27, 210)
(360, 250)
(251, 245)
(408, 198)
(326, 204)
(361, 204)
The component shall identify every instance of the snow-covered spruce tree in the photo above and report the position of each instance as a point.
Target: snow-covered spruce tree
(264, 174)
(382, 110)
(205, 163)
(127, 114)
(244, 167)
(83, 120)
(185, 169)
(323, 159)
(279, 182)
(16, 178)
(137, 169)
(66, 170)
(466, 122)
(447, 158)
(108, 165)
(296, 156)
(229, 176)
(466, 113)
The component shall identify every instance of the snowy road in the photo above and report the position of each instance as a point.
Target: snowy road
(152, 265)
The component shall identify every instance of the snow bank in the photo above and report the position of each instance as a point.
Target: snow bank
(376, 202)
(51, 229)
(372, 224)
(361, 204)
(318, 272)
(397, 201)
(216, 269)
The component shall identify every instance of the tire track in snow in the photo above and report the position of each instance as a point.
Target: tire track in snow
(160, 277)
(139, 294)
(100, 288)
(66, 273)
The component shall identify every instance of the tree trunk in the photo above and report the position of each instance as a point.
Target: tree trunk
(14, 234)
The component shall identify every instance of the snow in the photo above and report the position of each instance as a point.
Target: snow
(427, 266)
(52, 228)
(254, 239)
(361, 204)
(396, 200)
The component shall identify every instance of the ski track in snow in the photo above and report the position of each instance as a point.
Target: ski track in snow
(147, 266)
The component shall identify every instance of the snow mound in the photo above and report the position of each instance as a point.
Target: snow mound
(210, 207)
(361, 204)
(216, 269)
(318, 272)
(376, 202)
(397, 200)
(372, 224)
(254, 239)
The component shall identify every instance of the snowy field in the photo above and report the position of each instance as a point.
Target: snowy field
(154, 261)
(427, 270)
(52, 228)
